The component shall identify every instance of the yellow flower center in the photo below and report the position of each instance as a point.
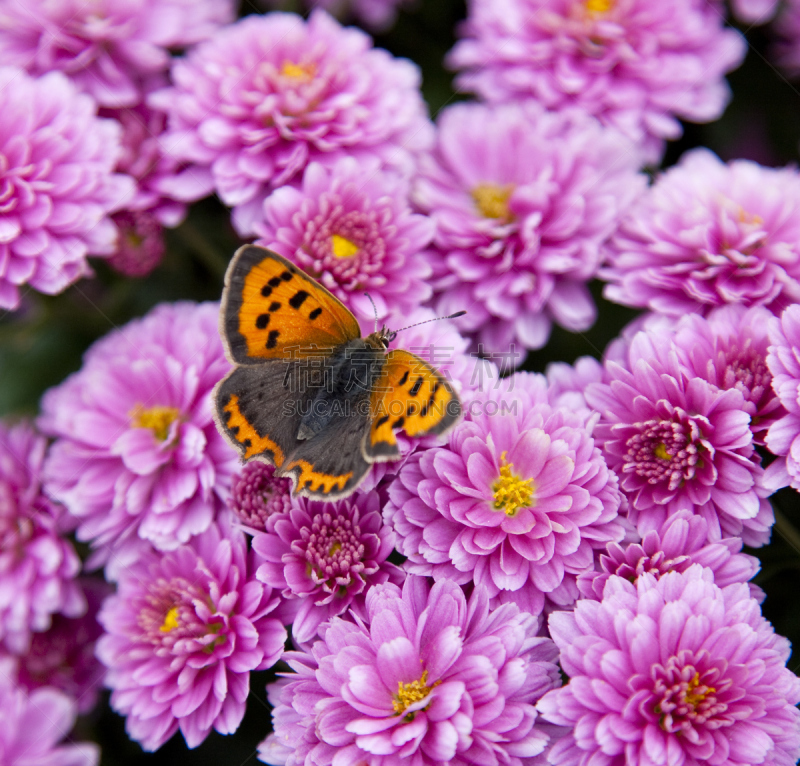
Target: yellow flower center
(343, 247)
(694, 699)
(303, 72)
(157, 419)
(745, 217)
(661, 452)
(492, 200)
(414, 691)
(599, 6)
(170, 620)
(511, 492)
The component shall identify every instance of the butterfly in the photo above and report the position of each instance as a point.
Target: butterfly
(307, 393)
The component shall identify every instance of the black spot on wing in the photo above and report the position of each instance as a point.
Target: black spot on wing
(274, 306)
(262, 321)
(416, 387)
(399, 422)
(266, 291)
(274, 282)
(272, 338)
(315, 313)
(297, 299)
(286, 276)
(403, 380)
(380, 421)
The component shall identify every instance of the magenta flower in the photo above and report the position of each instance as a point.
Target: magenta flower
(567, 386)
(323, 557)
(673, 670)
(58, 184)
(137, 453)
(754, 11)
(517, 501)
(257, 495)
(522, 200)
(141, 243)
(183, 632)
(708, 234)
(350, 226)
(429, 678)
(253, 106)
(108, 49)
(634, 66)
(681, 542)
(63, 656)
(34, 724)
(679, 442)
(787, 29)
(783, 437)
(38, 566)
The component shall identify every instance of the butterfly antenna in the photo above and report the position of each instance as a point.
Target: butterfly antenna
(374, 309)
(435, 319)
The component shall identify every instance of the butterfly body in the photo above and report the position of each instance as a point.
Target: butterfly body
(308, 393)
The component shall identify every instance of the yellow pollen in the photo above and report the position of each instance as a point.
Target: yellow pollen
(304, 72)
(157, 419)
(335, 548)
(343, 247)
(695, 699)
(661, 452)
(745, 217)
(510, 491)
(170, 620)
(599, 6)
(492, 200)
(414, 691)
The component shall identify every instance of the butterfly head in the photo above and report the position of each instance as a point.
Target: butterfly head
(385, 336)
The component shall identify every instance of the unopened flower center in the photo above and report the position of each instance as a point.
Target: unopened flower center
(684, 699)
(343, 247)
(333, 551)
(413, 691)
(511, 492)
(492, 200)
(157, 419)
(303, 72)
(170, 620)
(664, 451)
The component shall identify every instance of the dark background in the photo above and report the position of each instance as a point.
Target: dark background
(44, 341)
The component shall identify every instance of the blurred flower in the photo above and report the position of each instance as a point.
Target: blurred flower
(350, 227)
(57, 185)
(137, 452)
(673, 670)
(32, 725)
(783, 437)
(430, 678)
(376, 15)
(522, 200)
(517, 501)
(109, 47)
(38, 566)
(182, 634)
(787, 29)
(323, 557)
(141, 243)
(679, 442)
(253, 106)
(634, 65)
(754, 11)
(681, 542)
(257, 495)
(709, 234)
(63, 656)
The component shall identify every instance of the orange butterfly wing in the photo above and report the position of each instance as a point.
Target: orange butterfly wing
(412, 395)
(272, 310)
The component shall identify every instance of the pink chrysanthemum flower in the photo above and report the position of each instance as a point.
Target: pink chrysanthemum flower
(34, 724)
(787, 29)
(517, 501)
(183, 632)
(522, 200)
(783, 437)
(429, 678)
(679, 442)
(754, 12)
(673, 670)
(137, 452)
(57, 186)
(107, 48)
(63, 656)
(709, 234)
(38, 566)
(267, 95)
(681, 542)
(350, 226)
(257, 495)
(323, 557)
(140, 247)
(635, 66)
